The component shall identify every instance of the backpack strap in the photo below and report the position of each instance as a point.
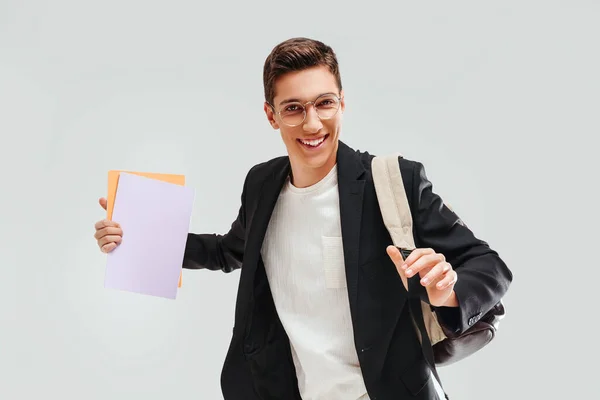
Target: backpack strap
(397, 218)
(392, 200)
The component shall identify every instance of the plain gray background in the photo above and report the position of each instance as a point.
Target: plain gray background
(500, 101)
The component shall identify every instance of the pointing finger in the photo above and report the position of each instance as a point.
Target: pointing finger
(396, 257)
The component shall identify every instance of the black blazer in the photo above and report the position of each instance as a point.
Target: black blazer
(259, 363)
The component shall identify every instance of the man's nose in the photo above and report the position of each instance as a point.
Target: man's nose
(312, 123)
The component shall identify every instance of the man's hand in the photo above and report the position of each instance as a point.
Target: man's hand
(436, 274)
(108, 233)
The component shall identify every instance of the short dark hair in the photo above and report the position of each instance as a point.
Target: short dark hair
(297, 54)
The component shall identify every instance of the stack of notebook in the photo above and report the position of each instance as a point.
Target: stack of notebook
(154, 211)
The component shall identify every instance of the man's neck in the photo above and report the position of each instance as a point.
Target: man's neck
(302, 177)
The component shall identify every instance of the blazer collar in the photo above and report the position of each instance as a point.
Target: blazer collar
(349, 163)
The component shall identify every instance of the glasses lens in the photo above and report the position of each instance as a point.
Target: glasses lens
(327, 106)
(292, 113)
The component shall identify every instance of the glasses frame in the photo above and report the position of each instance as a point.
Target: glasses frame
(304, 113)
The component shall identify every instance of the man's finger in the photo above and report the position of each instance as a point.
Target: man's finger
(415, 255)
(105, 223)
(110, 230)
(107, 248)
(102, 224)
(435, 274)
(103, 202)
(425, 261)
(448, 280)
(396, 257)
(110, 239)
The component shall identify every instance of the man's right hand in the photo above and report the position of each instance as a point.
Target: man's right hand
(108, 233)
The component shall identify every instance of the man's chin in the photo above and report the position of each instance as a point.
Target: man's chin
(316, 161)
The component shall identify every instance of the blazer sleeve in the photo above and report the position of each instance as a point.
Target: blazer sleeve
(217, 251)
(483, 277)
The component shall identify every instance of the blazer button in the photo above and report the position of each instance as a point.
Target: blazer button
(474, 318)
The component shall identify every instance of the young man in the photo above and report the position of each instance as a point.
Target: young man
(321, 312)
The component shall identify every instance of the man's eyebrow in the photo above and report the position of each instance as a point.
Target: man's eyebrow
(294, 100)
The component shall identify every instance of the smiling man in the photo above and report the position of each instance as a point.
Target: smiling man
(321, 312)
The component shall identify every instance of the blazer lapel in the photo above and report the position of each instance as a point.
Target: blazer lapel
(269, 194)
(351, 189)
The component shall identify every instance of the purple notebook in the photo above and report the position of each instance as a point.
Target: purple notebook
(155, 218)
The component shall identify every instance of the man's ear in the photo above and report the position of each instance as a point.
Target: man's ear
(270, 115)
(343, 101)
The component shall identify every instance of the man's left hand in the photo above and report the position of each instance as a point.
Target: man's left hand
(437, 275)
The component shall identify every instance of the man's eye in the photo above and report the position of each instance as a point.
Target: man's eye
(292, 108)
(326, 103)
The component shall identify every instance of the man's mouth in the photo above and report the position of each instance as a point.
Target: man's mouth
(313, 143)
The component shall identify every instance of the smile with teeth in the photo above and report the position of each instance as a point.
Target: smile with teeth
(313, 142)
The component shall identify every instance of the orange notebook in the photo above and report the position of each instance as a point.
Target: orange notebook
(113, 181)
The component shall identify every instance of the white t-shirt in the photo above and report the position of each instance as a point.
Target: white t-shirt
(304, 263)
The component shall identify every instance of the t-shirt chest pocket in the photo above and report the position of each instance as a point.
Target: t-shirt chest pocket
(334, 271)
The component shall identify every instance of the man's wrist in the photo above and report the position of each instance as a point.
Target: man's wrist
(451, 301)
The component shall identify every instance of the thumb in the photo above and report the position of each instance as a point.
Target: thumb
(398, 260)
(102, 202)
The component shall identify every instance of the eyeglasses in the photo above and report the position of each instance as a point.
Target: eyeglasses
(294, 113)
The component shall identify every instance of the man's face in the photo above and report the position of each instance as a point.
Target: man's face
(312, 145)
